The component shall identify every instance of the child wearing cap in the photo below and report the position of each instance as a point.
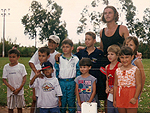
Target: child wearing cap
(66, 71)
(43, 55)
(49, 91)
(53, 43)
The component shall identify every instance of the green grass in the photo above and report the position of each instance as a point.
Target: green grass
(144, 104)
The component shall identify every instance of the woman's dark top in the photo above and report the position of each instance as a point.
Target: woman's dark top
(114, 39)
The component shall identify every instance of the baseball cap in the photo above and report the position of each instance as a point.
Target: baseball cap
(46, 65)
(54, 38)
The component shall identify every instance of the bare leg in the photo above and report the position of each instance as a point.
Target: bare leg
(122, 110)
(33, 107)
(10, 111)
(132, 110)
(19, 110)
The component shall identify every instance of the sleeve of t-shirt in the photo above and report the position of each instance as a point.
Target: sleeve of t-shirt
(57, 69)
(4, 73)
(77, 69)
(32, 74)
(76, 80)
(58, 88)
(23, 70)
(35, 84)
(34, 58)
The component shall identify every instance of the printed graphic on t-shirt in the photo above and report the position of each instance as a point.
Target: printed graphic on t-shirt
(47, 87)
(94, 60)
(84, 86)
(73, 64)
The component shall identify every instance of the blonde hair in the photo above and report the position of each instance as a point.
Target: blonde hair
(114, 48)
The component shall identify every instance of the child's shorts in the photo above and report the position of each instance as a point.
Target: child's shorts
(15, 101)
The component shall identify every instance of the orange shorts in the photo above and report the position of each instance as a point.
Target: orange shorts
(126, 94)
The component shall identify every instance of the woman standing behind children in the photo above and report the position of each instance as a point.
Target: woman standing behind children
(127, 86)
(85, 84)
(113, 54)
(133, 43)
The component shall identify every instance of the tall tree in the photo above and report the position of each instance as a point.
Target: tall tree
(93, 18)
(45, 22)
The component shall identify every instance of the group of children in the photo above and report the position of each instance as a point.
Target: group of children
(57, 84)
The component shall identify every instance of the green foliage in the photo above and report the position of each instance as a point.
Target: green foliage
(44, 21)
(24, 51)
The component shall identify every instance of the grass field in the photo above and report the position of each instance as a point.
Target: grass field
(144, 104)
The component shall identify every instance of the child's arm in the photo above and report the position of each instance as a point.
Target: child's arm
(138, 86)
(32, 66)
(36, 75)
(77, 95)
(94, 92)
(139, 64)
(8, 85)
(21, 86)
(115, 90)
(107, 87)
(59, 101)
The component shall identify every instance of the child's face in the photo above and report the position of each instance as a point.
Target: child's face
(67, 49)
(43, 57)
(89, 41)
(48, 72)
(85, 69)
(126, 59)
(13, 58)
(130, 44)
(52, 45)
(112, 56)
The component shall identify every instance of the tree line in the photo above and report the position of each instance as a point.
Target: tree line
(29, 51)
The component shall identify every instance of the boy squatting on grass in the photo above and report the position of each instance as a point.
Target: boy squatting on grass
(15, 73)
(49, 91)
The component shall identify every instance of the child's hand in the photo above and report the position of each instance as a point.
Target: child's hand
(12, 89)
(114, 104)
(34, 98)
(79, 103)
(80, 48)
(38, 74)
(111, 90)
(57, 56)
(16, 91)
(133, 100)
(59, 103)
(107, 90)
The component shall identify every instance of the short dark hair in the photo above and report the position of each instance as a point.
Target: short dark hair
(67, 41)
(93, 35)
(44, 50)
(116, 15)
(85, 62)
(125, 50)
(14, 51)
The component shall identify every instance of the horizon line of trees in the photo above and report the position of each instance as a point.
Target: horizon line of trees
(29, 51)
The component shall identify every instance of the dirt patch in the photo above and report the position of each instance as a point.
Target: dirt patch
(4, 109)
